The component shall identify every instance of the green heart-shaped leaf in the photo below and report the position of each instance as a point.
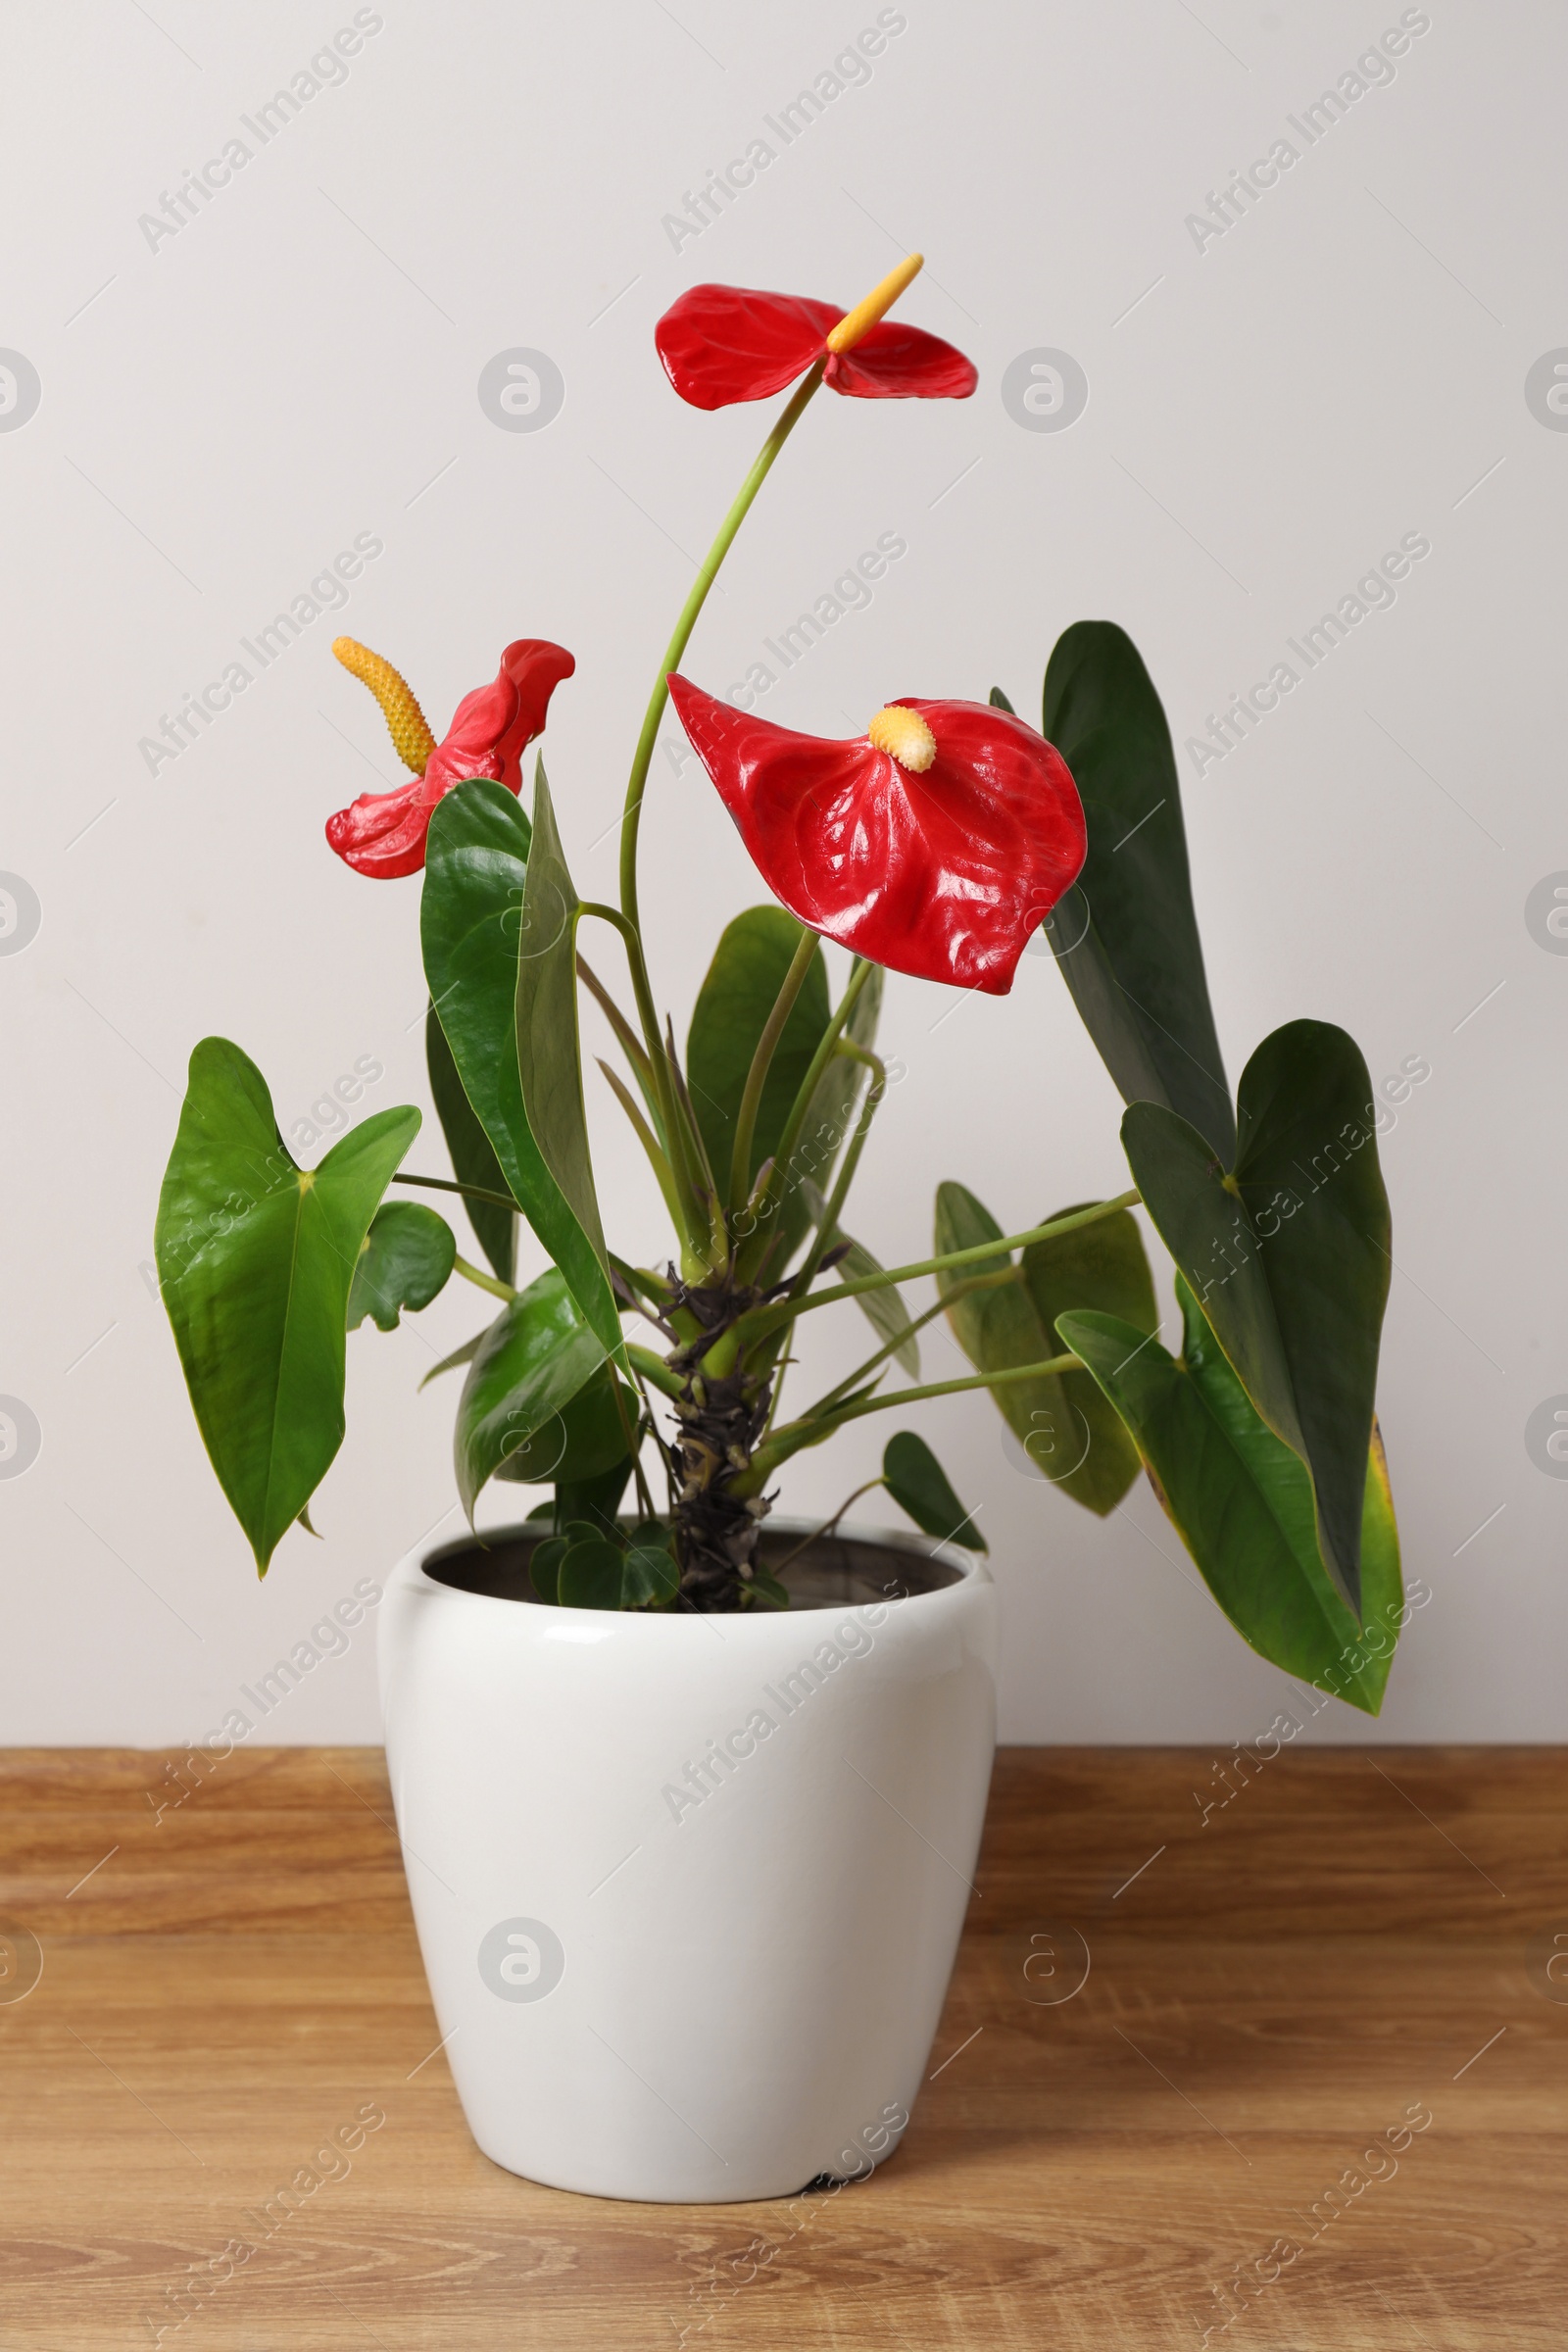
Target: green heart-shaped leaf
(591, 1575)
(1241, 1503)
(649, 1578)
(919, 1484)
(404, 1261)
(1125, 936)
(544, 1567)
(1288, 1255)
(256, 1260)
(537, 1355)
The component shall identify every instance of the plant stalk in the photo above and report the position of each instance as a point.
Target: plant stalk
(740, 1170)
(765, 1319)
(482, 1281)
(469, 1192)
(707, 574)
(795, 1435)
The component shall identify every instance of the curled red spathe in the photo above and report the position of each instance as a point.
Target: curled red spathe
(944, 874)
(721, 344)
(382, 834)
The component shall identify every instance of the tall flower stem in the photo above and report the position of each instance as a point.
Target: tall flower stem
(707, 574)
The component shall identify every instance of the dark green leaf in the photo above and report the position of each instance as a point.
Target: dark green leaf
(998, 1329)
(999, 702)
(733, 1004)
(583, 1440)
(470, 919)
(544, 1568)
(537, 1355)
(595, 1500)
(1125, 935)
(404, 1261)
(475, 863)
(474, 1159)
(649, 1577)
(1289, 1255)
(1241, 1504)
(767, 1588)
(562, 1208)
(1100, 1266)
(256, 1258)
(591, 1575)
(1063, 1424)
(919, 1484)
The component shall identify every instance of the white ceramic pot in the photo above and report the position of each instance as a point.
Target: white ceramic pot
(689, 1889)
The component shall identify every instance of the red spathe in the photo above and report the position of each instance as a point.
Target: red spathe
(721, 344)
(943, 875)
(383, 833)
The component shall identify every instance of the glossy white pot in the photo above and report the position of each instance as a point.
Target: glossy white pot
(689, 1889)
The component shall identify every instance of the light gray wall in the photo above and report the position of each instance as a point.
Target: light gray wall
(1269, 411)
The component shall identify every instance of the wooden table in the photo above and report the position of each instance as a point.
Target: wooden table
(1313, 2092)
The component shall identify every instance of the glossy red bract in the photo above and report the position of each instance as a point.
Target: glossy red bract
(383, 833)
(943, 875)
(721, 344)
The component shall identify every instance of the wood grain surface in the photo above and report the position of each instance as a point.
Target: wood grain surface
(1219, 2130)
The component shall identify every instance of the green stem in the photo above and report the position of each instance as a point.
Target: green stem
(469, 1192)
(707, 574)
(483, 1281)
(740, 1169)
(654, 1370)
(960, 1289)
(796, 1435)
(765, 1319)
(675, 1115)
(767, 1199)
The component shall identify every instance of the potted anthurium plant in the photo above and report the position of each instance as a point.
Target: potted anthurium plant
(690, 1796)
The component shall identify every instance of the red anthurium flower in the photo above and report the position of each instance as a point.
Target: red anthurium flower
(726, 343)
(383, 833)
(934, 844)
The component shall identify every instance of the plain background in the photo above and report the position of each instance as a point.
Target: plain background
(224, 410)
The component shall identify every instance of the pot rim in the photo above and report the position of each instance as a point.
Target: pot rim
(972, 1567)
